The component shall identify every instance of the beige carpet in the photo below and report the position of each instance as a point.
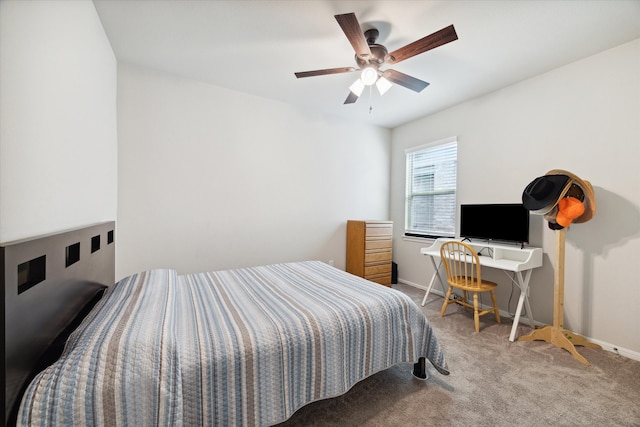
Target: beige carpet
(493, 383)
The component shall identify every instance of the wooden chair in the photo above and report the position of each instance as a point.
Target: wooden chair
(463, 272)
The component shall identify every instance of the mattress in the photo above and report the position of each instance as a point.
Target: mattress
(247, 346)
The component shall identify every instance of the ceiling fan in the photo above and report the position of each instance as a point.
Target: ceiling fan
(371, 56)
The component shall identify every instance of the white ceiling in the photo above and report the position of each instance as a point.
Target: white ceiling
(256, 46)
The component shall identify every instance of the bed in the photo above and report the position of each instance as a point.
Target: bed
(248, 346)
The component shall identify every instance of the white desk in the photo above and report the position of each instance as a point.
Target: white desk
(503, 257)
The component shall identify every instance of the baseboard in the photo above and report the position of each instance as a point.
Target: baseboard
(419, 286)
(630, 354)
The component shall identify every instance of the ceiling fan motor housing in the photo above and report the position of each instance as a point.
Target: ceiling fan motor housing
(378, 53)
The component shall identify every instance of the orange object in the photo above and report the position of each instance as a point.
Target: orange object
(569, 208)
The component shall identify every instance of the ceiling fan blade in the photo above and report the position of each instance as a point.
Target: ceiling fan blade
(326, 71)
(429, 42)
(409, 82)
(351, 28)
(351, 98)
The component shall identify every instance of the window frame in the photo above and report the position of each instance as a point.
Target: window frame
(410, 194)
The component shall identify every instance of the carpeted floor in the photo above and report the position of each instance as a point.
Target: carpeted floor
(493, 382)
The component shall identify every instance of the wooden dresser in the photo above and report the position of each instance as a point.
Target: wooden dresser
(369, 250)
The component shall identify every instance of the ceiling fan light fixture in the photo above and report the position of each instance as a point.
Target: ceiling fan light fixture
(357, 87)
(383, 85)
(369, 76)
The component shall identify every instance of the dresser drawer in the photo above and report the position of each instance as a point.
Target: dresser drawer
(383, 279)
(376, 232)
(374, 245)
(377, 257)
(375, 269)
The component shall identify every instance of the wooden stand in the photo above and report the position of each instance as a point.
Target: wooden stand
(556, 334)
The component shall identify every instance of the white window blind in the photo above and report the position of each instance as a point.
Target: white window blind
(431, 189)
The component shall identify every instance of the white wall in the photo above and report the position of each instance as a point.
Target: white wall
(584, 118)
(58, 131)
(211, 178)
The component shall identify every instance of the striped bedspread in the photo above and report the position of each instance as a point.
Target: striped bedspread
(238, 347)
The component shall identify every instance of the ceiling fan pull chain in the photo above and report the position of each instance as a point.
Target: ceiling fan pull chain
(370, 99)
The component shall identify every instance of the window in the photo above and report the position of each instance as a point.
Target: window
(430, 209)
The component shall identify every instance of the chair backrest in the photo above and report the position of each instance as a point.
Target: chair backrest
(461, 263)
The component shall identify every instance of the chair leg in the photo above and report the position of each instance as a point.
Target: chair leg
(495, 307)
(446, 301)
(476, 315)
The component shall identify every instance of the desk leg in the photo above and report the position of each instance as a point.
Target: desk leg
(523, 284)
(433, 280)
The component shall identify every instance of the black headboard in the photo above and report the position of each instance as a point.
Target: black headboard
(47, 281)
